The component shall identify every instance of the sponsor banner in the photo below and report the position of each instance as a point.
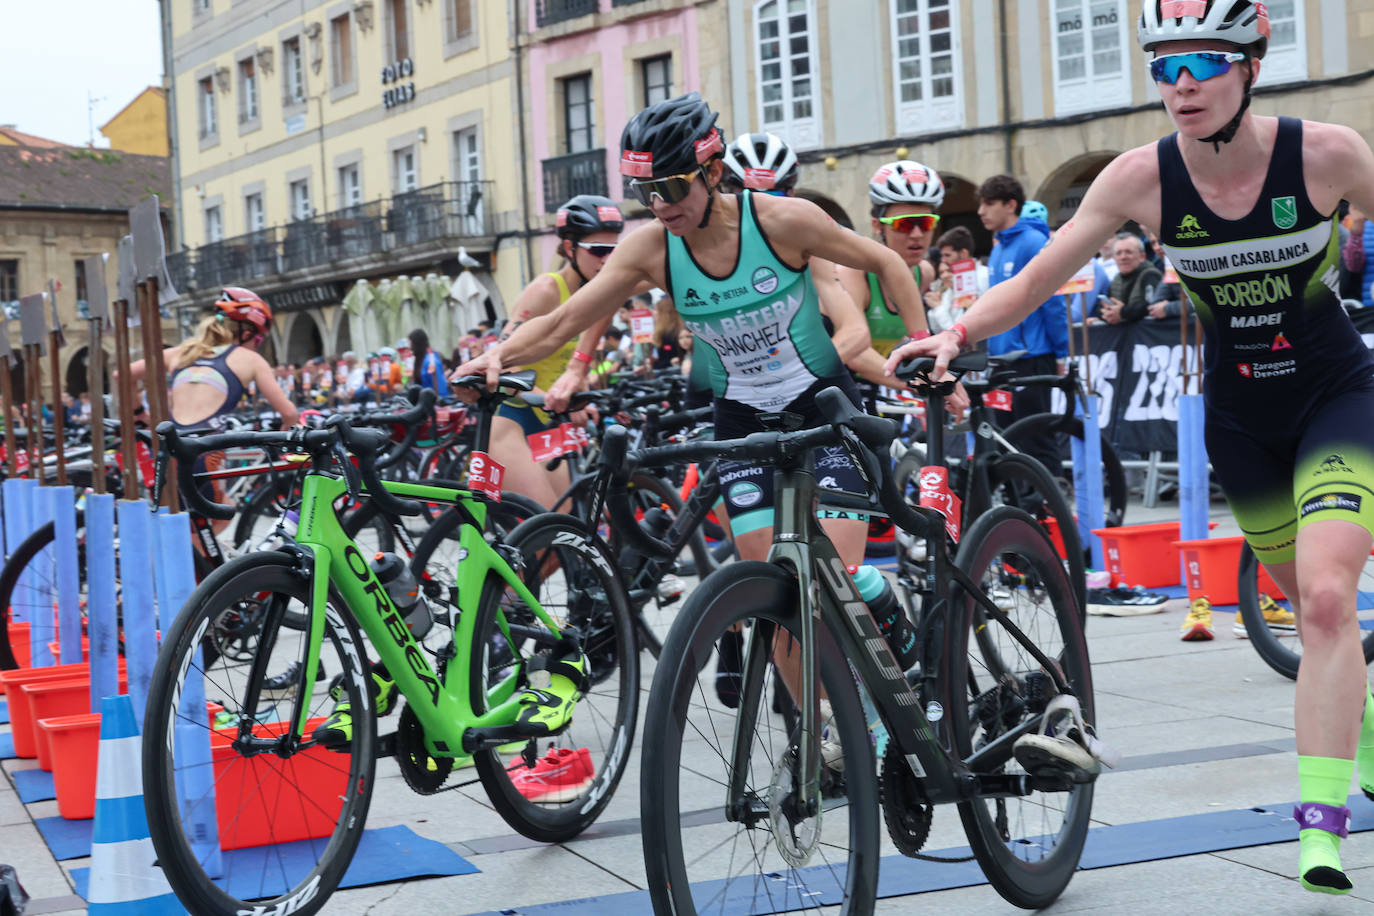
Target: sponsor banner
(1137, 370)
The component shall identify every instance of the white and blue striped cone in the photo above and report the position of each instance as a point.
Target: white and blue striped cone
(124, 880)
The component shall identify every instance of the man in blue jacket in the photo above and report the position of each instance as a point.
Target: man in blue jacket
(1044, 335)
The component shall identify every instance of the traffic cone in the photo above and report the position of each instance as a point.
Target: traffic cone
(124, 878)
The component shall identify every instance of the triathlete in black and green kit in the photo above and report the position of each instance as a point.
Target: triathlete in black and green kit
(1244, 204)
(737, 267)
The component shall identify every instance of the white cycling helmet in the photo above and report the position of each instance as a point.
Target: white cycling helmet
(761, 162)
(1242, 23)
(387, 352)
(905, 182)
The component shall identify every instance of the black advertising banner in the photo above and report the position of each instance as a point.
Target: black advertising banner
(1137, 370)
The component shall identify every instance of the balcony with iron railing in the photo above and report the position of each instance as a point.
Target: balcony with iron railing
(547, 12)
(429, 216)
(573, 174)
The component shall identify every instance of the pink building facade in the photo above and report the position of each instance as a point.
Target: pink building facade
(592, 65)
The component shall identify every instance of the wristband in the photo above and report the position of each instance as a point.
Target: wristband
(960, 332)
(919, 335)
(582, 357)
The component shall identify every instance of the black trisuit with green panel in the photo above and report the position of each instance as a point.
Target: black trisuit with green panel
(1288, 388)
(761, 344)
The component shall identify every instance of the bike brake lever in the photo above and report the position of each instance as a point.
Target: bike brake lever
(352, 476)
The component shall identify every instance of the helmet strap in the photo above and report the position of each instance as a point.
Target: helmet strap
(572, 260)
(710, 197)
(1227, 133)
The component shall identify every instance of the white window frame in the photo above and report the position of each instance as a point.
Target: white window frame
(350, 184)
(404, 178)
(214, 224)
(666, 90)
(298, 192)
(467, 169)
(1287, 63)
(1091, 91)
(248, 90)
(800, 133)
(587, 132)
(293, 70)
(254, 212)
(209, 118)
(928, 112)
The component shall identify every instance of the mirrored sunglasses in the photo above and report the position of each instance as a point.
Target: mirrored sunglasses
(907, 224)
(670, 189)
(1203, 65)
(597, 250)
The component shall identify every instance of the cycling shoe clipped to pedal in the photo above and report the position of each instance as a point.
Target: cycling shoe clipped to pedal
(1065, 745)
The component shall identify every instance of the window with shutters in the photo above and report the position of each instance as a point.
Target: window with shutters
(925, 64)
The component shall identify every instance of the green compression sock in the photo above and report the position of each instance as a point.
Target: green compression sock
(1364, 754)
(1323, 781)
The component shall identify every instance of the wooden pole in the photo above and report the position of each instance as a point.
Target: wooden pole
(58, 420)
(33, 395)
(7, 397)
(95, 390)
(125, 393)
(155, 376)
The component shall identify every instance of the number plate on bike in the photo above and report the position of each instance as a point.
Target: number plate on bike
(485, 475)
(936, 494)
(574, 437)
(546, 445)
(997, 399)
(21, 460)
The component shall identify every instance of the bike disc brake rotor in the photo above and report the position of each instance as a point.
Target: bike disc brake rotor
(797, 836)
(424, 774)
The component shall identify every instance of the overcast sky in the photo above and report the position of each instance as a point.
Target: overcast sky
(52, 52)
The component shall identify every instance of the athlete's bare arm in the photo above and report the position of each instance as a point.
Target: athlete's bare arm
(139, 368)
(269, 388)
(635, 260)
(800, 230)
(1337, 164)
(1127, 189)
(850, 336)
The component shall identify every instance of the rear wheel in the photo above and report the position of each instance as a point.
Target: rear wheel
(1028, 846)
(1059, 428)
(575, 582)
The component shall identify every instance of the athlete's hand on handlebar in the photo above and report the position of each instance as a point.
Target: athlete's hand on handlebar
(943, 347)
(488, 364)
(561, 391)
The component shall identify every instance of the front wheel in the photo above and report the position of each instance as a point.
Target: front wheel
(220, 768)
(707, 850)
(1057, 427)
(1028, 846)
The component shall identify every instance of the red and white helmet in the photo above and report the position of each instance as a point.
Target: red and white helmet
(241, 304)
(906, 182)
(1242, 23)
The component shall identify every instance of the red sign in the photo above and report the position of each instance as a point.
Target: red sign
(998, 399)
(485, 475)
(574, 437)
(21, 461)
(609, 215)
(707, 146)
(642, 326)
(936, 494)
(546, 445)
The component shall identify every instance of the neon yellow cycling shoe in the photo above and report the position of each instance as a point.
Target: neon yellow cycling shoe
(554, 685)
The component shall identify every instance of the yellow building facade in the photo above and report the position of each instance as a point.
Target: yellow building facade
(322, 143)
(141, 126)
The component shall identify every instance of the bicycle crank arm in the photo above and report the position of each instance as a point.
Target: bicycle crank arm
(1006, 785)
(484, 739)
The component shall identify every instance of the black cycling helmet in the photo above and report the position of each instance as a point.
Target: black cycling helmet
(671, 137)
(588, 213)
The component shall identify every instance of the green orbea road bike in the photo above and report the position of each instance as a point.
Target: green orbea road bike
(250, 811)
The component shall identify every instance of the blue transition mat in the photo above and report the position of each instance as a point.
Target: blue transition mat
(33, 785)
(7, 746)
(1124, 844)
(384, 855)
(66, 839)
(4, 711)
